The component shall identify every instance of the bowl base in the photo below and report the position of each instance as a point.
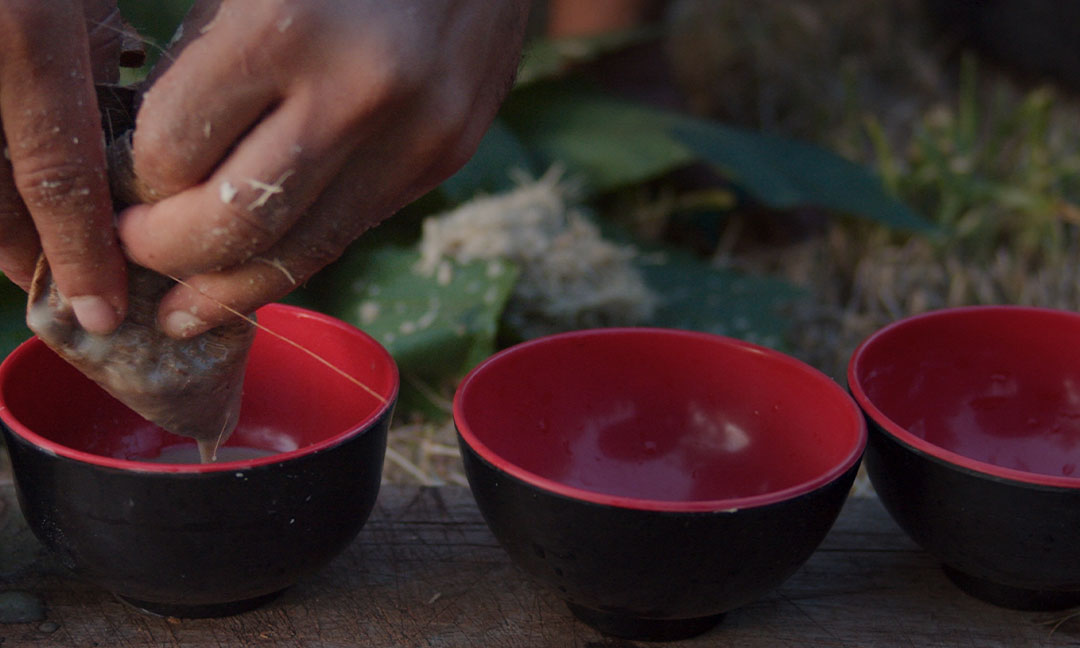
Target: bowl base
(206, 611)
(628, 626)
(1014, 598)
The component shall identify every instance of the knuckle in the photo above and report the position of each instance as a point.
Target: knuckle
(161, 155)
(386, 82)
(158, 169)
(74, 252)
(400, 75)
(297, 21)
(50, 185)
(243, 227)
(236, 234)
(318, 251)
(291, 26)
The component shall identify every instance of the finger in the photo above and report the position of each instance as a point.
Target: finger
(206, 96)
(334, 221)
(55, 143)
(258, 193)
(19, 245)
(208, 300)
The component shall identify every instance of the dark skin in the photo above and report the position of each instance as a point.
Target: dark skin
(53, 189)
(276, 132)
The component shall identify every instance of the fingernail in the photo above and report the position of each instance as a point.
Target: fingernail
(182, 324)
(95, 315)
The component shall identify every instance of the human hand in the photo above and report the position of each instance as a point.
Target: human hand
(280, 131)
(54, 191)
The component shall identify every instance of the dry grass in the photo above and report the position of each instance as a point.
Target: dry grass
(423, 453)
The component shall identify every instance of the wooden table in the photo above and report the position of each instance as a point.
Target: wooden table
(425, 571)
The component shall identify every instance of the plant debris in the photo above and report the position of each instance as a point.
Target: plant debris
(571, 276)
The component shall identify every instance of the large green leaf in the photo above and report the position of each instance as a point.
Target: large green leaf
(607, 143)
(697, 296)
(13, 329)
(436, 327)
(489, 169)
(784, 173)
(611, 144)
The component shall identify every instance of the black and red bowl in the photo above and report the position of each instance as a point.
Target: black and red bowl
(654, 479)
(975, 445)
(193, 540)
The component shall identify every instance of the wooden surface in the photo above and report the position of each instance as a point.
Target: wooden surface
(425, 571)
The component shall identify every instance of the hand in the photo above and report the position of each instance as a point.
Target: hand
(279, 131)
(53, 188)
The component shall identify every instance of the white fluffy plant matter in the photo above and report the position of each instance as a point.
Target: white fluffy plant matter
(571, 277)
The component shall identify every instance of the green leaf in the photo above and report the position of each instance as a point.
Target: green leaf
(156, 22)
(488, 170)
(696, 295)
(13, 329)
(783, 173)
(436, 327)
(612, 144)
(607, 143)
(700, 297)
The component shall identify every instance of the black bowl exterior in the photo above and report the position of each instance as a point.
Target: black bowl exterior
(200, 544)
(1014, 544)
(641, 564)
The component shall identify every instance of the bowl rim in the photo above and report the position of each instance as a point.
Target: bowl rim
(726, 505)
(893, 429)
(130, 465)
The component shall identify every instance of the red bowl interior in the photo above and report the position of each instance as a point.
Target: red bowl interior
(659, 419)
(994, 388)
(292, 403)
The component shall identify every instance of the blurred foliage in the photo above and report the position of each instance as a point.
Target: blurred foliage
(613, 144)
(699, 297)
(991, 172)
(787, 174)
(607, 143)
(156, 21)
(13, 329)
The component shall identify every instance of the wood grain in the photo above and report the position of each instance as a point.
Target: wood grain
(425, 571)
